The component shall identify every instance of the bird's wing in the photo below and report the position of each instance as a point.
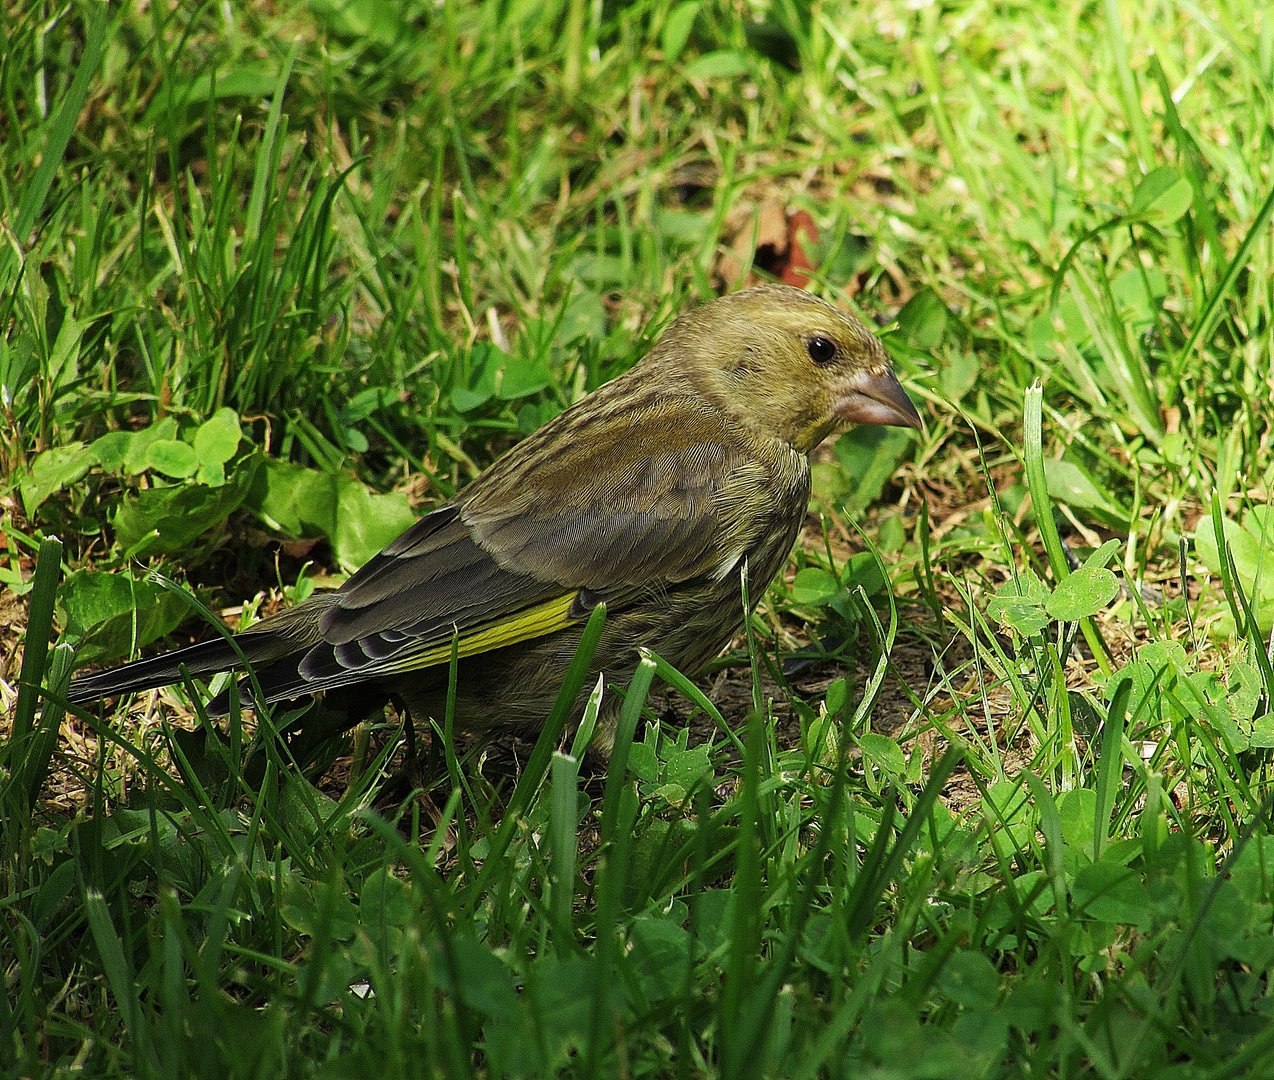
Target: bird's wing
(401, 610)
(522, 554)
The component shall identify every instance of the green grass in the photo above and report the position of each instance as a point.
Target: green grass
(272, 275)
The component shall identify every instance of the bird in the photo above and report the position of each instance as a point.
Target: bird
(661, 494)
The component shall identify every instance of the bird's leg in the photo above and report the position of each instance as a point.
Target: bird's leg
(418, 768)
(409, 728)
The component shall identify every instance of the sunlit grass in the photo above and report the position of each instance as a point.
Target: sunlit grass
(986, 791)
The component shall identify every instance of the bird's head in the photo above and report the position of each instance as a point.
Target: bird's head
(787, 363)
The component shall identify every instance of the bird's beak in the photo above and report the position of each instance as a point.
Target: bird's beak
(877, 397)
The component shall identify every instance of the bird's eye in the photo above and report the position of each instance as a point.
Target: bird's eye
(821, 350)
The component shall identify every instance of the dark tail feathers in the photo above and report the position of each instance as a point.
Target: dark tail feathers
(283, 637)
(203, 658)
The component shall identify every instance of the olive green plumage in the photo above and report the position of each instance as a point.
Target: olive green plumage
(652, 494)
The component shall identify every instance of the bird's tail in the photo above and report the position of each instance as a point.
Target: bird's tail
(288, 634)
(203, 658)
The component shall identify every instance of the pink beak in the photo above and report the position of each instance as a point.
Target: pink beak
(877, 397)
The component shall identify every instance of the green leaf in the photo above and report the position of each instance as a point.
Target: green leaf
(386, 901)
(643, 762)
(836, 696)
(682, 226)
(365, 21)
(539, 1041)
(659, 954)
(583, 318)
(366, 522)
(721, 64)
(883, 752)
(484, 983)
(112, 449)
(465, 399)
(923, 320)
(109, 615)
(167, 519)
(1251, 546)
(1162, 196)
(1244, 691)
(688, 768)
(868, 458)
(52, 471)
(1111, 893)
(366, 403)
(318, 909)
(63, 365)
(217, 439)
(1019, 603)
(672, 794)
(1139, 294)
(1074, 486)
(968, 978)
(139, 445)
(523, 377)
(814, 585)
(863, 572)
(959, 374)
(534, 415)
(1102, 555)
(677, 29)
(172, 458)
(1261, 735)
(1076, 811)
(305, 502)
(294, 500)
(1082, 594)
(478, 376)
(251, 79)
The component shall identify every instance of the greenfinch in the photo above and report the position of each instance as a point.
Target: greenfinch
(653, 495)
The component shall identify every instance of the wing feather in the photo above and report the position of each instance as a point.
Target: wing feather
(524, 553)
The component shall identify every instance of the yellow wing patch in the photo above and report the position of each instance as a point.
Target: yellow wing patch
(538, 621)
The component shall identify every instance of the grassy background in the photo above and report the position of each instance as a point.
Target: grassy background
(272, 275)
